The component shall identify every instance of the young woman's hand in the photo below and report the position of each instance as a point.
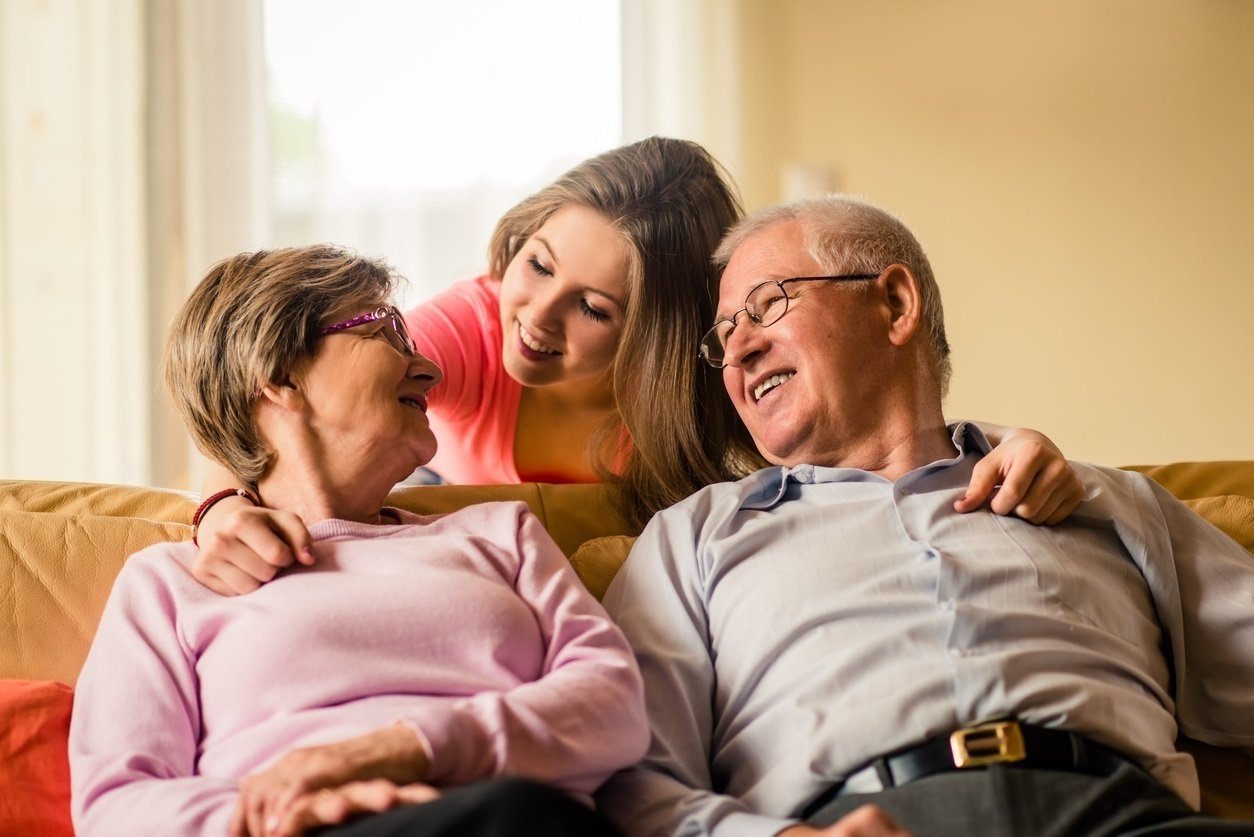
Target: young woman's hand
(393, 753)
(243, 546)
(1025, 475)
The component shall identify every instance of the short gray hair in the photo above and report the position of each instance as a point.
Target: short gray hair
(847, 235)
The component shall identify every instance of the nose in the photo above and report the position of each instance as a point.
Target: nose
(747, 341)
(424, 370)
(544, 310)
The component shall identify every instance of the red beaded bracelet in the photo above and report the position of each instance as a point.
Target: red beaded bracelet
(208, 502)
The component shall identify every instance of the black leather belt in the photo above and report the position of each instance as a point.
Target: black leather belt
(1000, 742)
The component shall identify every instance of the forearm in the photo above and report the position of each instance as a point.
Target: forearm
(573, 727)
(187, 805)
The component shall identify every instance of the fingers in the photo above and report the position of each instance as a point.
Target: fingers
(1027, 478)
(249, 548)
(417, 793)
(867, 821)
(983, 481)
(1050, 492)
(332, 806)
(292, 530)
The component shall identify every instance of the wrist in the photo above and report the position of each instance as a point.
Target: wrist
(400, 754)
(215, 499)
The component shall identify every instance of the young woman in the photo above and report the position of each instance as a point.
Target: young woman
(573, 359)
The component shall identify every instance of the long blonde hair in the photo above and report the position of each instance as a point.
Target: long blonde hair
(672, 203)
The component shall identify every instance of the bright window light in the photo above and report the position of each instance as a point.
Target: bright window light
(404, 129)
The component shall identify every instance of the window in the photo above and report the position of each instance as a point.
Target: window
(405, 129)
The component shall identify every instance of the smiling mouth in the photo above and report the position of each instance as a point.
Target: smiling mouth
(770, 384)
(416, 403)
(529, 340)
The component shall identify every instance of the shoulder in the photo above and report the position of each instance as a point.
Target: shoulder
(476, 299)
(493, 520)
(683, 532)
(159, 576)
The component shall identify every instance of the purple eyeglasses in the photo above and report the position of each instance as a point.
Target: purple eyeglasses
(397, 336)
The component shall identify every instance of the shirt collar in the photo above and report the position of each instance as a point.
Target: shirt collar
(765, 488)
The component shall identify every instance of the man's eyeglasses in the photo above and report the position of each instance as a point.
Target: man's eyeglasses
(765, 304)
(396, 334)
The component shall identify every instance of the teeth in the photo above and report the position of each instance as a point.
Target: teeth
(769, 384)
(533, 344)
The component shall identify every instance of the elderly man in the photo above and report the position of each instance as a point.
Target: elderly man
(830, 632)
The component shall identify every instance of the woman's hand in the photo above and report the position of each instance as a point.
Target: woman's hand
(1036, 481)
(243, 546)
(332, 806)
(393, 753)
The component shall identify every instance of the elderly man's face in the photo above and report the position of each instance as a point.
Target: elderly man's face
(806, 385)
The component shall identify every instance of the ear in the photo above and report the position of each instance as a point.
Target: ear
(905, 305)
(285, 396)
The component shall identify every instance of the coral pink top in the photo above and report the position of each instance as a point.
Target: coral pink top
(474, 410)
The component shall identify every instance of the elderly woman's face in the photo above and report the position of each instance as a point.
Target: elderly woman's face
(367, 397)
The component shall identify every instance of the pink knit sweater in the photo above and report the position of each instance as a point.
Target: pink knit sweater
(470, 627)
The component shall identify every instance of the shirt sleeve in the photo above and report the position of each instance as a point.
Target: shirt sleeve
(136, 724)
(1211, 626)
(581, 720)
(449, 330)
(658, 600)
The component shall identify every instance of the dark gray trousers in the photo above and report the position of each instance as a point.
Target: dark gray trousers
(1020, 802)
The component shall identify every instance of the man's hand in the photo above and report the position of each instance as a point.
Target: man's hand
(332, 806)
(393, 753)
(1037, 483)
(243, 546)
(867, 821)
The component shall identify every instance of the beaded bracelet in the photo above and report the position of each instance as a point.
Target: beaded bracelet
(209, 501)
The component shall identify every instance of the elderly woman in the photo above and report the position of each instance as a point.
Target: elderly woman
(399, 680)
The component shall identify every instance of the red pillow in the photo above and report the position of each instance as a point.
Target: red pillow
(34, 757)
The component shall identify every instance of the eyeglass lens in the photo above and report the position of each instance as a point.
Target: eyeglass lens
(398, 334)
(765, 304)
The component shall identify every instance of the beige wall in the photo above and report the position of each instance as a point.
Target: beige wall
(1082, 174)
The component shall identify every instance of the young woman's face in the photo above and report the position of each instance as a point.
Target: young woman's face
(563, 300)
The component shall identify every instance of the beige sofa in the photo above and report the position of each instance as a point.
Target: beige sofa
(61, 544)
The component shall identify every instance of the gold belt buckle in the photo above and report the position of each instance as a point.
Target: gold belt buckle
(999, 741)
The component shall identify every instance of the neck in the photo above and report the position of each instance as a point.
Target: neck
(314, 500)
(904, 429)
(588, 397)
(899, 448)
(317, 486)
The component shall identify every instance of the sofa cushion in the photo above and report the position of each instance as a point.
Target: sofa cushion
(598, 560)
(56, 571)
(34, 767)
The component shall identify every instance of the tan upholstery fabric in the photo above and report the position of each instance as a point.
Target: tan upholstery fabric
(55, 575)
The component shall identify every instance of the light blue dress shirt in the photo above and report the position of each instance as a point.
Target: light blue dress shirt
(799, 623)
